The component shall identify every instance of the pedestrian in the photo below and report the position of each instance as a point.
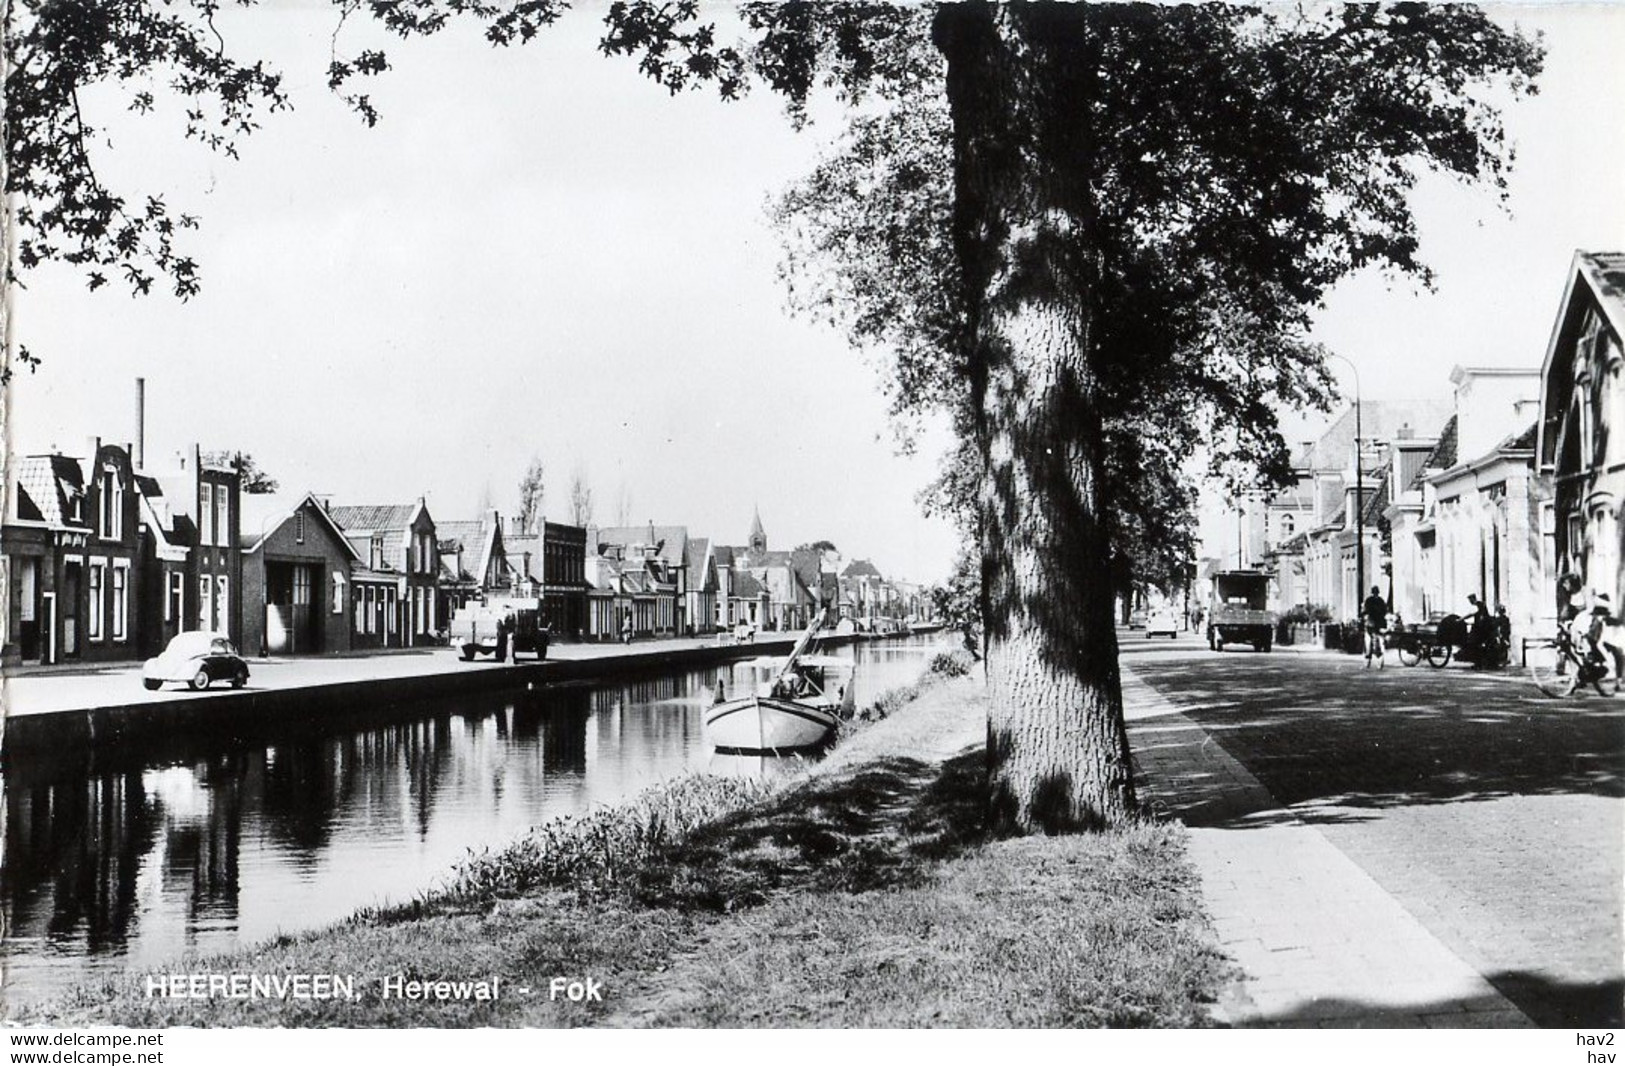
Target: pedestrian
(1479, 632)
(505, 626)
(626, 628)
(1374, 613)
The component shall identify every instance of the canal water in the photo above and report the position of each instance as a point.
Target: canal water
(128, 860)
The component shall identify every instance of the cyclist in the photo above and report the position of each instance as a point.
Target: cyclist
(1374, 615)
(1596, 632)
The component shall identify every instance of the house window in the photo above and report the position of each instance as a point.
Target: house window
(301, 586)
(112, 509)
(205, 599)
(222, 516)
(175, 602)
(222, 604)
(338, 592)
(376, 556)
(121, 599)
(361, 609)
(205, 514)
(98, 608)
(1604, 563)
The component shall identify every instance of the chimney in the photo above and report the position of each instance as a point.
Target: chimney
(95, 445)
(138, 455)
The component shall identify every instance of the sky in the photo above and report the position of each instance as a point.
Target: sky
(538, 252)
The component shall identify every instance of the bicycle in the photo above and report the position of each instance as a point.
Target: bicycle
(1558, 666)
(1374, 646)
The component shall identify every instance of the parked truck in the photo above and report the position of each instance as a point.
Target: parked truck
(1237, 614)
(500, 626)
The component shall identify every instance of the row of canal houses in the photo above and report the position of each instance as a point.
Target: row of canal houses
(1516, 478)
(107, 559)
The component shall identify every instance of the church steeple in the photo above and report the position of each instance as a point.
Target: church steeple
(758, 537)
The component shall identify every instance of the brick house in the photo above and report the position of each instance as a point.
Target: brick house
(74, 558)
(552, 564)
(1580, 440)
(399, 546)
(297, 567)
(197, 508)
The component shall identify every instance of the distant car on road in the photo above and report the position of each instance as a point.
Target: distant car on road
(1162, 623)
(1136, 619)
(196, 659)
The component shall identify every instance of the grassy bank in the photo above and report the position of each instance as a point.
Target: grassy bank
(864, 893)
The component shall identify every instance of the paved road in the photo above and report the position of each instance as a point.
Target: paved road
(1494, 816)
(46, 690)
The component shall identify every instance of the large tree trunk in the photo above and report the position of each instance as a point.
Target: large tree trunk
(1017, 89)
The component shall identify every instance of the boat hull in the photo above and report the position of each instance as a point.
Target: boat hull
(767, 723)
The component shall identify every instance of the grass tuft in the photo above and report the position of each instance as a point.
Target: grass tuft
(602, 851)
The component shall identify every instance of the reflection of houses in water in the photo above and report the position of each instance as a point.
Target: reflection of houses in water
(564, 737)
(200, 848)
(74, 854)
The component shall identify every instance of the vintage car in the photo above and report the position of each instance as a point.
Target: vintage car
(196, 658)
(1163, 622)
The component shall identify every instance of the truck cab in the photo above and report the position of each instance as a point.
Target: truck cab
(501, 625)
(1238, 613)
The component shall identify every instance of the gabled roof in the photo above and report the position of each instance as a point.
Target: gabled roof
(263, 513)
(806, 562)
(746, 586)
(1602, 276)
(671, 542)
(1443, 456)
(478, 538)
(702, 573)
(1378, 420)
(374, 518)
(51, 481)
(861, 568)
(769, 558)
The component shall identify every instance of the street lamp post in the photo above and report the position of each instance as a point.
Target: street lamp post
(1359, 487)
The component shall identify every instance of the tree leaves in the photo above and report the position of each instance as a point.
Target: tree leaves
(56, 49)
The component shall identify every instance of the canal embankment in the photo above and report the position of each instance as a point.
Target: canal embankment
(51, 710)
(863, 892)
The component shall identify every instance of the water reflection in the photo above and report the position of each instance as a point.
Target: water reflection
(131, 857)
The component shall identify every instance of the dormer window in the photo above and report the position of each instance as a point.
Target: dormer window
(376, 561)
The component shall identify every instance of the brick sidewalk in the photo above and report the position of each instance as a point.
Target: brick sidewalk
(1318, 941)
